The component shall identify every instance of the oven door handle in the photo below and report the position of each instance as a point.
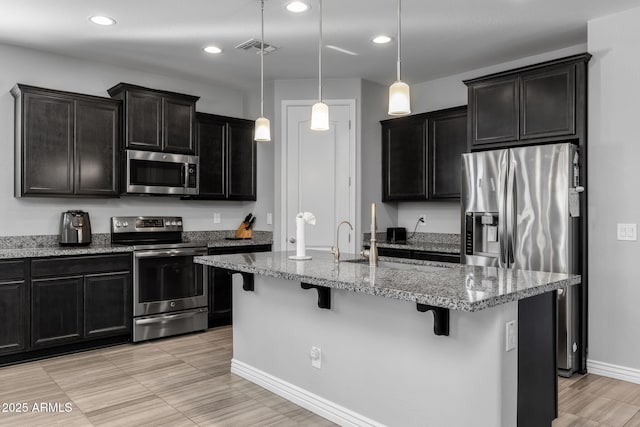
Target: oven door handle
(170, 252)
(167, 318)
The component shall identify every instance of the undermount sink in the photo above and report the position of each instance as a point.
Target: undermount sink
(401, 265)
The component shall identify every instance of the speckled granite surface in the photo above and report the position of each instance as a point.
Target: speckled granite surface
(428, 242)
(47, 245)
(457, 287)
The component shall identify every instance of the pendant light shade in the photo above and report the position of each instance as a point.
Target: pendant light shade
(399, 97)
(263, 130)
(320, 116)
(320, 110)
(263, 126)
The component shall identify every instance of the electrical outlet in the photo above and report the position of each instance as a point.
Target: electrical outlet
(216, 217)
(510, 336)
(423, 220)
(269, 218)
(627, 232)
(316, 357)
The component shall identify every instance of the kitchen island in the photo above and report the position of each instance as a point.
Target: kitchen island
(384, 358)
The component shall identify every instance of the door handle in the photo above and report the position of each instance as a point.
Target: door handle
(292, 239)
(511, 214)
(165, 319)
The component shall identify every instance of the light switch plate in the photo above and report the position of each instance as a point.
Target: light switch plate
(216, 217)
(627, 232)
(269, 218)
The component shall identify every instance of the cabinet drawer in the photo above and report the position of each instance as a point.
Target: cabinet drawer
(80, 265)
(10, 270)
(436, 256)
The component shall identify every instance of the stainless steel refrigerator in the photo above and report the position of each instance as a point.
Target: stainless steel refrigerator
(520, 209)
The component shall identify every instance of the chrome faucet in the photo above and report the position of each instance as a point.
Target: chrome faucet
(335, 250)
(372, 252)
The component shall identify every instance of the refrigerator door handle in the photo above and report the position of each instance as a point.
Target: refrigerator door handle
(510, 207)
(502, 220)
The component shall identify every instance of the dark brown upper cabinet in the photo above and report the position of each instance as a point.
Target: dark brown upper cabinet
(447, 143)
(156, 120)
(67, 144)
(421, 155)
(536, 104)
(227, 154)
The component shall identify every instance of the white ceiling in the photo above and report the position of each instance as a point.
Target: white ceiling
(167, 36)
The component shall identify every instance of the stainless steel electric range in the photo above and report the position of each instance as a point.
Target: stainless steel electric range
(169, 289)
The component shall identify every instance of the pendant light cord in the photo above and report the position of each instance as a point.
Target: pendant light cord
(320, 58)
(399, 39)
(262, 58)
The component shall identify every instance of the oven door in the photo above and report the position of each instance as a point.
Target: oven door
(167, 280)
(149, 172)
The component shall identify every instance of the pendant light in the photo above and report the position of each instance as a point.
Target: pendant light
(320, 110)
(399, 98)
(263, 127)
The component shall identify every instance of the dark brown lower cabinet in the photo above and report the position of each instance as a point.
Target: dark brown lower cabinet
(13, 315)
(422, 255)
(220, 292)
(107, 304)
(56, 311)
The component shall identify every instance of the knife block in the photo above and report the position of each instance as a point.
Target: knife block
(243, 233)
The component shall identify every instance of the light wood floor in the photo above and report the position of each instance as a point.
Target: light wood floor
(182, 381)
(594, 401)
(185, 381)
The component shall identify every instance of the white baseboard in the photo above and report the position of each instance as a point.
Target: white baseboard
(314, 403)
(613, 371)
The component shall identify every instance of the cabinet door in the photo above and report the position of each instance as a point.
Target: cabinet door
(447, 142)
(241, 160)
(220, 295)
(211, 148)
(48, 145)
(494, 111)
(404, 159)
(144, 121)
(96, 155)
(13, 317)
(56, 311)
(107, 304)
(547, 103)
(178, 117)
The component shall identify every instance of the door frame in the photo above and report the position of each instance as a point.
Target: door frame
(351, 104)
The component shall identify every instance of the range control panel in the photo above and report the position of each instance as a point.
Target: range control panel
(142, 224)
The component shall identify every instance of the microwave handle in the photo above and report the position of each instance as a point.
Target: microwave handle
(185, 175)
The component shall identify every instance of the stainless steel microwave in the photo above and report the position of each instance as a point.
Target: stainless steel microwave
(150, 172)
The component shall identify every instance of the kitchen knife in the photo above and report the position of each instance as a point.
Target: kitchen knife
(250, 225)
(247, 218)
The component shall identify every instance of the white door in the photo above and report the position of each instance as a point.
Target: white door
(318, 174)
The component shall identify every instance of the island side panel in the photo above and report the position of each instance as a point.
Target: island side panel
(380, 358)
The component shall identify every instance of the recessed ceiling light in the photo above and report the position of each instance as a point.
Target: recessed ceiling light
(297, 7)
(102, 20)
(212, 49)
(381, 39)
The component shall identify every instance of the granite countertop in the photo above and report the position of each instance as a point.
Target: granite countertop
(427, 242)
(422, 246)
(452, 286)
(16, 247)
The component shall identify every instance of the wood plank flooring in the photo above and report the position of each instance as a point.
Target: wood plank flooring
(185, 381)
(182, 381)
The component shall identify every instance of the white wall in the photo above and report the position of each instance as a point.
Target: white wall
(28, 216)
(374, 103)
(444, 217)
(614, 288)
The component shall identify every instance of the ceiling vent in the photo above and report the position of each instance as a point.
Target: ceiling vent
(254, 45)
